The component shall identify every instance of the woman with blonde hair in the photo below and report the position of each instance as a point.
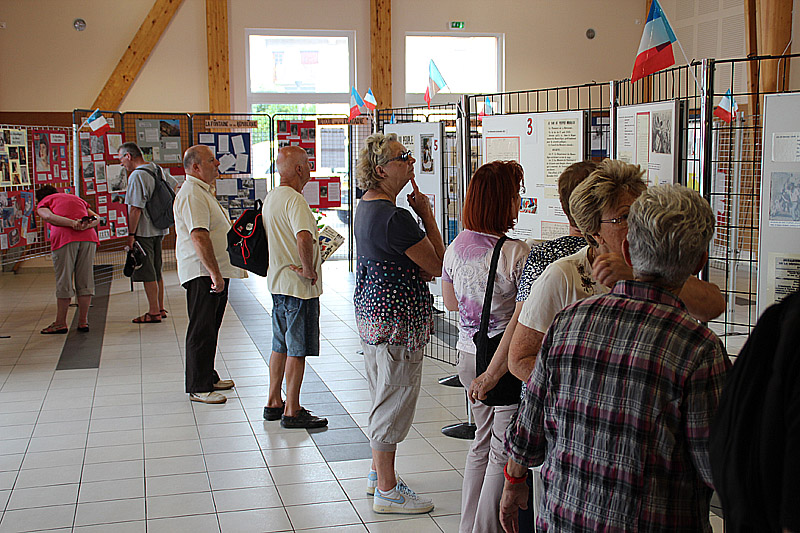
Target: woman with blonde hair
(393, 307)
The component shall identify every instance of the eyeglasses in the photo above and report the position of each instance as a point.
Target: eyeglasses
(402, 157)
(617, 220)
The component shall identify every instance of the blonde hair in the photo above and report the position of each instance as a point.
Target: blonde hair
(601, 191)
(376, 152)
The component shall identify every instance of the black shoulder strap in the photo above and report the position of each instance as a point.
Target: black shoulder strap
(160, 174)
(487, 298)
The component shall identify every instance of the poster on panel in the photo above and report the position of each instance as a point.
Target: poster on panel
(160, 140)
(544, 144)
(647, 136)
(779, 228)
(232, 150)
(424, 139)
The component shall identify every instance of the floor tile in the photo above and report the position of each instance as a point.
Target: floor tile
(176, 484)
(106, 512)
(179, 505)
(44, 496)
(322, 514)
(247, 498)
(38, 518)
(256, 521)
(305, 493)
(207, 523)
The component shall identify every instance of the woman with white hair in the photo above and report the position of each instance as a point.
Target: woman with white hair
(393, 307)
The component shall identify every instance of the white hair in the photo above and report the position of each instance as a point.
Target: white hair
(669, 228)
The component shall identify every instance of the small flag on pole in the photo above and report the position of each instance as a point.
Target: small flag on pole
(98, 123)
(727, 108)
(355, 103)
(655, 49)
(487, 109)
(435, 82)
(369, 100)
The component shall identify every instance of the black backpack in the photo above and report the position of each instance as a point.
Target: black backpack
(159, 205)
(247, 242)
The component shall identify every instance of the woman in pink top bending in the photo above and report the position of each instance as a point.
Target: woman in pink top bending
(73, 242)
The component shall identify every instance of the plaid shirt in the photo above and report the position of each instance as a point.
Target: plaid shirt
(618, 410)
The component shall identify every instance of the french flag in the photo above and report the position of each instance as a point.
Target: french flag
(727, 108)
(369, 100)
(355, 103)
(655, 49)
(435, 82)
(487, 109)
(98, 123)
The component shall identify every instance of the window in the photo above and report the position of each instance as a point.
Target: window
(299, 67)
(469, 64)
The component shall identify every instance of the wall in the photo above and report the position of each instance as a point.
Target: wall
(45, 65)
(545, 40)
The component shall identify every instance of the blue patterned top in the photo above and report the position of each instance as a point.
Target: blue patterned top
(392, 302)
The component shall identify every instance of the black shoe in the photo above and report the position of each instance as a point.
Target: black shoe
(303, 420)
(273, 413)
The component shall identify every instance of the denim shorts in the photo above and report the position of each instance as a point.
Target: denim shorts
(295, 325)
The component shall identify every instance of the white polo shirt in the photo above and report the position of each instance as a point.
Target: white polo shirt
(196, 206)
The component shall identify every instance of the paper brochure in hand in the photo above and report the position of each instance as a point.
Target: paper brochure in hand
(329, 241)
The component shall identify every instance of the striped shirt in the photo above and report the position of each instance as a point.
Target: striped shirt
(618, 411)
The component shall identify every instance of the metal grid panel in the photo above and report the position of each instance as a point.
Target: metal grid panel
(443, 343)
(12, 258)
(735, 191)
(594, 98)
(337, 218)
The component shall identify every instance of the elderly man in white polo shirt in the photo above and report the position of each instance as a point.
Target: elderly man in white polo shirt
(202, 225)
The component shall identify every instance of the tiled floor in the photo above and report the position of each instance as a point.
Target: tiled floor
(120, 448)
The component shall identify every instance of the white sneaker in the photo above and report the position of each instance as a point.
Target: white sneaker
(207, 397)
(372, 481)
(400, 500)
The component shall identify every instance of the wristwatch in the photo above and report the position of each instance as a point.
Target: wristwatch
(514, 480)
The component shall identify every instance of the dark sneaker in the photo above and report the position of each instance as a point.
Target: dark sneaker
(303, 420)
(273, 413)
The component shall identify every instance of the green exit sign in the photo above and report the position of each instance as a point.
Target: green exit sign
(457, 25)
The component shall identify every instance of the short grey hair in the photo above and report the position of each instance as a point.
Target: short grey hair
(376, 152)
(601, 191)
(130, 148)
(669, 228)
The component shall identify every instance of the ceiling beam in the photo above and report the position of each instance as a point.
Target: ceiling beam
(381, 51)
(219, 82)
(135, 56)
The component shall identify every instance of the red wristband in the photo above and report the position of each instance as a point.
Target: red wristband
(514, 480)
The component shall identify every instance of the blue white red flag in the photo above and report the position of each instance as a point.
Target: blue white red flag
(727, 108)
(655, 49)
(487, 108)
(98, 123)
(355, 103)
(435, 82)
(369, 100)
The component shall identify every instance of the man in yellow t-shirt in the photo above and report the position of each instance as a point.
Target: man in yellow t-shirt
(295, 281)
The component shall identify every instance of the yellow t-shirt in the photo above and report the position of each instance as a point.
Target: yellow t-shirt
(286, 213)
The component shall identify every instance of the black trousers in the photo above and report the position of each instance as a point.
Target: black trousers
(205, 317)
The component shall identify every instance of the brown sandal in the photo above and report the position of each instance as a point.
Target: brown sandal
(163, 314)
(147, 318)
(52, 329)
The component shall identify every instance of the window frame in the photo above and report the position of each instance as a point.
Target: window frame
(416, 99)
(300, 98)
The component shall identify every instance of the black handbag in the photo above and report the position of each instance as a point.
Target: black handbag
(507, 391)
(247, 242)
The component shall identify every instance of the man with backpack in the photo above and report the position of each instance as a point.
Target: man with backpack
(149, 198)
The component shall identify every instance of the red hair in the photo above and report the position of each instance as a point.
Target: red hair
(492, 204)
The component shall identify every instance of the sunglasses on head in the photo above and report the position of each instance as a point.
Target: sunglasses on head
(402, 157)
